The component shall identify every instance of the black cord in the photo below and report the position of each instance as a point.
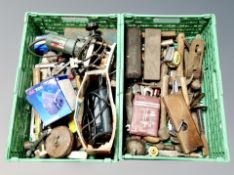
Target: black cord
(32, 44)
(90, 128)
(88, 105)
(114, 71)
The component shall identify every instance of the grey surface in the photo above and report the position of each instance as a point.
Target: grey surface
(11, 15)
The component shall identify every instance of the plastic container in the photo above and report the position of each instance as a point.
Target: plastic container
(37, 24)
(215, 126)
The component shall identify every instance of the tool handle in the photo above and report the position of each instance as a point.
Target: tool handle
(164, 91)
(37, 120)
(184, 90)
(163, 130)
(180, 41)
(36, 76)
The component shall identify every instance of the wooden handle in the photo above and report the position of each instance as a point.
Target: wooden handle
(180, 48)
(163, 130)
(164, 92)
(37, 120)
(184, 89)
(36, 76)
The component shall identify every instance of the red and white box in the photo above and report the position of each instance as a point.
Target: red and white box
(145, 117)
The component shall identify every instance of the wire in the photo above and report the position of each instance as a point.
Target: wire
(32, 44)
(89, 120)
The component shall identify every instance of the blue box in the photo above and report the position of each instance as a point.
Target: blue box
(53, 99)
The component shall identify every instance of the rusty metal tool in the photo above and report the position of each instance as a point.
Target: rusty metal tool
(196, 99)
(32, 146)
(199, 108)
(152, 54)
(133, 53)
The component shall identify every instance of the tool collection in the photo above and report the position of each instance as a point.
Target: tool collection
(73, 114)
(163, 79)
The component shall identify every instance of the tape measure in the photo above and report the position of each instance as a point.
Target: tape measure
(175, 61)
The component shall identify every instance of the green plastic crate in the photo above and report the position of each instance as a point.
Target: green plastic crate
(36, 24)
(191, 25)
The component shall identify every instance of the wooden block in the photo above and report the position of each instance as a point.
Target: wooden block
(181, 117)
(133, 54)
(168, 34)
(152, 54)
(194, 62)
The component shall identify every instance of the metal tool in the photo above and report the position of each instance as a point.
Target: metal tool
(136, 89)
(175, 60)
(72, 46)
(32, 146)
(148, 91)
(169, 54)
(167, 42)
(173, 77)
(196, 99)
(199, 108)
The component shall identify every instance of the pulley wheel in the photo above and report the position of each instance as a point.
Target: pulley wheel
(60, 142)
